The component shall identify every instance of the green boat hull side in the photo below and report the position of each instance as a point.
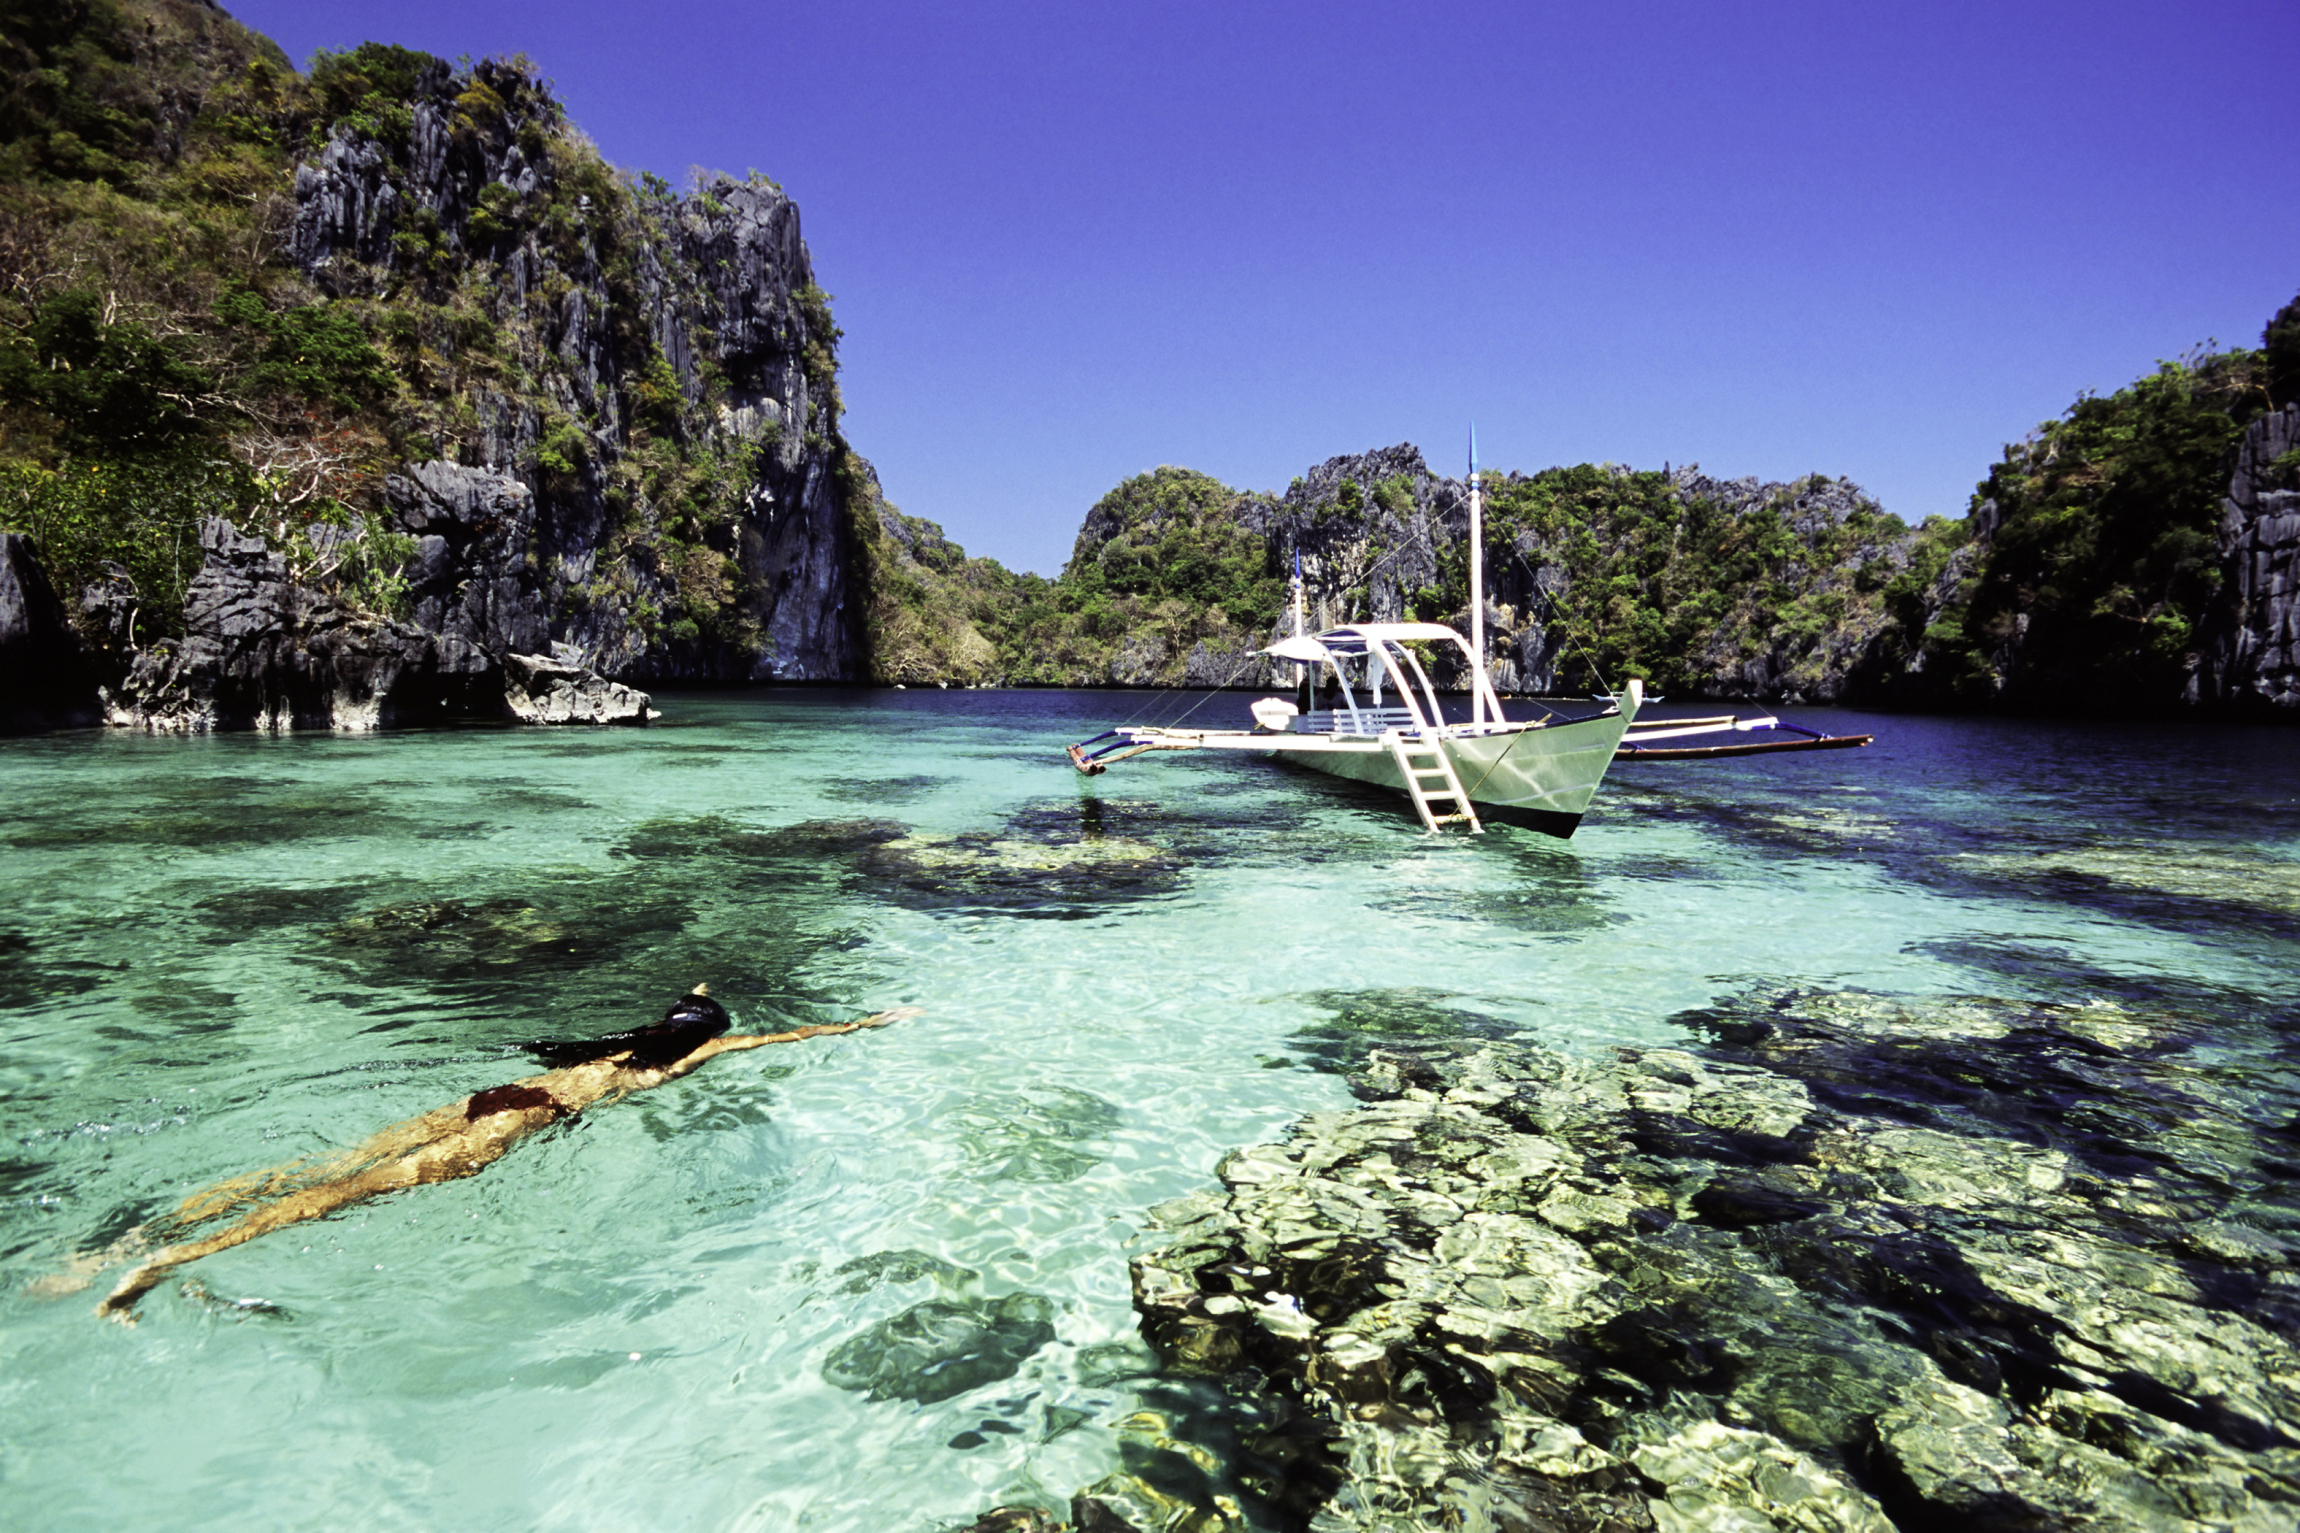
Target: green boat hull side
(1540, 778)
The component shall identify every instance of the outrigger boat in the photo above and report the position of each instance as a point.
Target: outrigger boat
(1540, 773)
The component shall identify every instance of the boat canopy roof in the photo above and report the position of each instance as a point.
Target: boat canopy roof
(1354, 639)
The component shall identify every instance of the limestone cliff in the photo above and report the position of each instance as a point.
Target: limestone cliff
(2251, 654)
(654, 401)
(1734, 589)
(397, 324)
(264, 651)
(45, 678)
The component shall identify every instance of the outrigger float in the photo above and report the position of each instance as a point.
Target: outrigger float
(1664, 739)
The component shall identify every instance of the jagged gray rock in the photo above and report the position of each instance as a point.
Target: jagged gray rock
(540, 690)
(529, 557)
(261, 651)
(472, 579)
(1855, 1262)
(47, 677)
(2251, 643)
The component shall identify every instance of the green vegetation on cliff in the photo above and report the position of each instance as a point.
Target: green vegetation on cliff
(928, 607)
(1671, 578)
(2100, 555)
(1173, 535)
(165, 356)
(160, 362)
(2280, 348)
(1164, 568)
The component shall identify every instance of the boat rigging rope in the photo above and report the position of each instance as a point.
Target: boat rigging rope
(1549, 600)
(1471, 790)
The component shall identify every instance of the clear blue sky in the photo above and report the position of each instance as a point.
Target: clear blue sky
(1072, 242)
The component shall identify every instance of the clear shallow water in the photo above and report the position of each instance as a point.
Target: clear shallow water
(217, 955)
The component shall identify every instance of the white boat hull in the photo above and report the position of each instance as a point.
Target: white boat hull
(1543, 779)
(1539, 774)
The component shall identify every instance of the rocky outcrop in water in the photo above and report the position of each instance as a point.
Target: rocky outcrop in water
(263, 651)
(652, 485)
(1853, 1263)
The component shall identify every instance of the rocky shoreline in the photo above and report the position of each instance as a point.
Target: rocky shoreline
(262, 651)
(1843, 1262)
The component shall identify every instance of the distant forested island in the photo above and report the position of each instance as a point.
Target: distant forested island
(373, 395)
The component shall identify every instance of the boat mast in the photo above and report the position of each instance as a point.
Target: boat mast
(1477, 711)
(1301, 623)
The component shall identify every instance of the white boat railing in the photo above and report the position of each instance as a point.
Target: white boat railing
(1356, 721)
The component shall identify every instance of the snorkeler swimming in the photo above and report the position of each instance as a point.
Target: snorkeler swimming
(449, 1142)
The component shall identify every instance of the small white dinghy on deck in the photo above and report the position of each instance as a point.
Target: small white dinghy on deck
(1541, 773)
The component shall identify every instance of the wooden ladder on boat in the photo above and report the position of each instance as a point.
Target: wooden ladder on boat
(1435, 768)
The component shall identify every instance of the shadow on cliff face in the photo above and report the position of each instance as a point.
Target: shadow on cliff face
(1853, 1262)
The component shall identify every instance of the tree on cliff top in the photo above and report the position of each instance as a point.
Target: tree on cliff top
(2102, 558)
(1174, 534)
(2280, 344)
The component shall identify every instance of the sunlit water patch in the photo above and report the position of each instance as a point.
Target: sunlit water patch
(879, 1281)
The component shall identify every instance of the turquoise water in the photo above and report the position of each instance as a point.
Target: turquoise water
(218, 955)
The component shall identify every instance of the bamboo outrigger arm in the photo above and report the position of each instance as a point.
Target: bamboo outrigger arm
(1093, 764)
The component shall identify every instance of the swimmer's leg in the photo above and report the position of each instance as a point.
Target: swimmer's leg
(442, 1160)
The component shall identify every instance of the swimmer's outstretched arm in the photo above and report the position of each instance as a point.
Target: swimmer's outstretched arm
(449, 1142)
(738, 1042)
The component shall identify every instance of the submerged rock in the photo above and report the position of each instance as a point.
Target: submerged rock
(1357, 1019)
(863, 1273)
(2230, 883)
(510, 938)
(1855, 1263)
(717, 837)
(942, 1347)
(1054, 862)
(1040, 1133)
